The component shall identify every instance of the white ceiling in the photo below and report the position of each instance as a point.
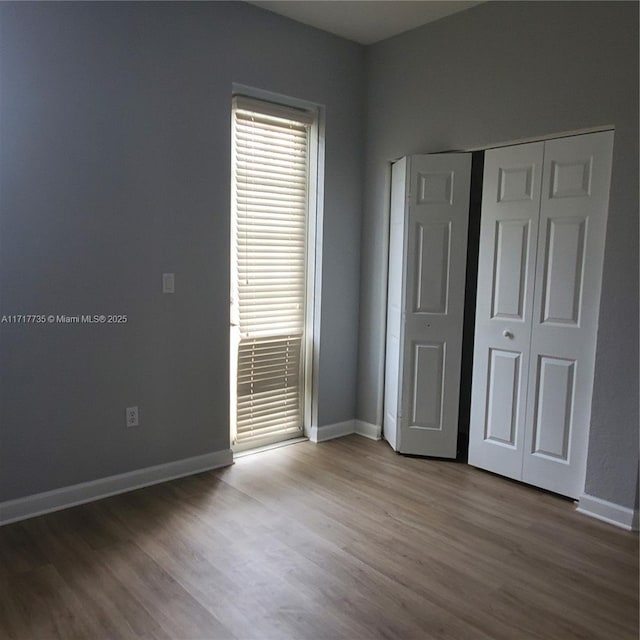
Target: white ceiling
(364, 21)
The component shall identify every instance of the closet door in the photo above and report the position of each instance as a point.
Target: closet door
(425, 312)
(395, 302)
(504, 311)
(437, 226)
(573, 216)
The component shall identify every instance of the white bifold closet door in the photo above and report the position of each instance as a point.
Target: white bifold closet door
(544, 212)
(425, 307)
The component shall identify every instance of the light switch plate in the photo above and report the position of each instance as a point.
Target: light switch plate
(168, 283)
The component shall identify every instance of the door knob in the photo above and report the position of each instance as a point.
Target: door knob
(507, 334)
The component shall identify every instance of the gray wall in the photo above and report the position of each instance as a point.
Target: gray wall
(114, 168)
(496, 73)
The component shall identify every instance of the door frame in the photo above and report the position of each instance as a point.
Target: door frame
(315, 219)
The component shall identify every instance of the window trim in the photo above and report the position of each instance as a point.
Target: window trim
(315, 210)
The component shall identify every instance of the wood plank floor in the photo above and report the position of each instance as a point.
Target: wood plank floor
(343, 539)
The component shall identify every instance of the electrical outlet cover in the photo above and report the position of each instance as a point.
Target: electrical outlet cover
(132, 417)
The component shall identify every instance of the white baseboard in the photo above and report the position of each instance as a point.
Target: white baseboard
(331, 431)
(368, 430)
(40, 503)
(346, 428)
(610, 512)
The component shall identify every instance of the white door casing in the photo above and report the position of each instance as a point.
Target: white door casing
(432, 220)
(555, 379)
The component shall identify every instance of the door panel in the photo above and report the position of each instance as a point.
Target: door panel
(563, 270)
(573, 216)
(571, 178)
(511, 262)
(553, 409)
(437, 224)
(503, 395)
(432, 277)
(516, 183)
(434, 187)
(426, 403)
(506, 270)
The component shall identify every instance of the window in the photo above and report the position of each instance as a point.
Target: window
(270, 270)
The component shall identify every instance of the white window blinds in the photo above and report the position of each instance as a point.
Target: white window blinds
(270, 203)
